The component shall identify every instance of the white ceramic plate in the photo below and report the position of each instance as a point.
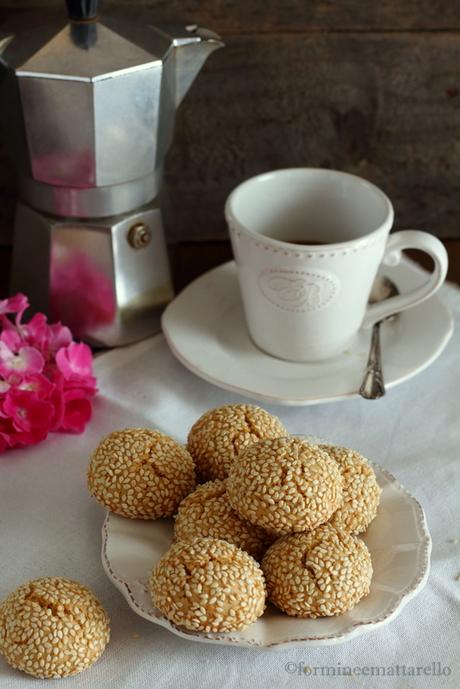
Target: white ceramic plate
(205, 329)
(398, 540)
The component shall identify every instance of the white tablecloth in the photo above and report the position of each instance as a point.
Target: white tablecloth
(49, 525)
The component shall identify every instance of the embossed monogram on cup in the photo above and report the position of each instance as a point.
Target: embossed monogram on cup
(298, 290)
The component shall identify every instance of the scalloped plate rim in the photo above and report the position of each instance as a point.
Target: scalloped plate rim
(352, 631)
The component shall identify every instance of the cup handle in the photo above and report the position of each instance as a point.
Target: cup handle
(409, 239)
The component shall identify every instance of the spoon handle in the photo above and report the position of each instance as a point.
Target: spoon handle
(373, 386)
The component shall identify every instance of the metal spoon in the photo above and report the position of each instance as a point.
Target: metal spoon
(373, 386)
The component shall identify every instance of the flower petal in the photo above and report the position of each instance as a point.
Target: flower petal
(37, 383)
(16, 304)
(46, 379)
(75, 361)
(35, 332)
(59, 336)
(26, 411)
(27, 360)
(11, 339)
(77, 413)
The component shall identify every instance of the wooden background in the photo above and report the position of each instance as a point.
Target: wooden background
(368, 87)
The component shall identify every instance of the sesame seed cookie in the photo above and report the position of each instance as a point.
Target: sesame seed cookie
(285, 485)
(140, 473)
(361, 492)
(207, 512)
(208, 585)
(321, 573)
(52, 627)
(219, 435)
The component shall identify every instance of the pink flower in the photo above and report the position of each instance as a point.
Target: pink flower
(12, 339)
(59, 336)
(27, 411)
(76, 363)
(48, 338)
(46, 379)
(36, 383)
(56, 397)
(35, 332)
(11, 437)
(77, 411)
(27, 360)
(17, 304)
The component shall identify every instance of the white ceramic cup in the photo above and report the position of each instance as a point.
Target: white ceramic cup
(307, 302)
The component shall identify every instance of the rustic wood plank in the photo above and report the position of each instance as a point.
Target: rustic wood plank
(7, 198)
(296, 16)
(382, 106)
(5, 262)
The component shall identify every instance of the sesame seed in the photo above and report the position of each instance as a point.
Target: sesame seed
(52, 627)
(221, 434)
(234, 599)
(361, 492)
(207, 512)
(140, 473)
(301, 580)
(264, 477)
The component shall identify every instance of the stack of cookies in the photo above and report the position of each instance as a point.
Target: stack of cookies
(273, 517)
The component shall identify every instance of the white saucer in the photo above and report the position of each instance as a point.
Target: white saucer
(206, 330)
(398, 540)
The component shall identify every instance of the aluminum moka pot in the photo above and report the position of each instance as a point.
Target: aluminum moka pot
(88, 119)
